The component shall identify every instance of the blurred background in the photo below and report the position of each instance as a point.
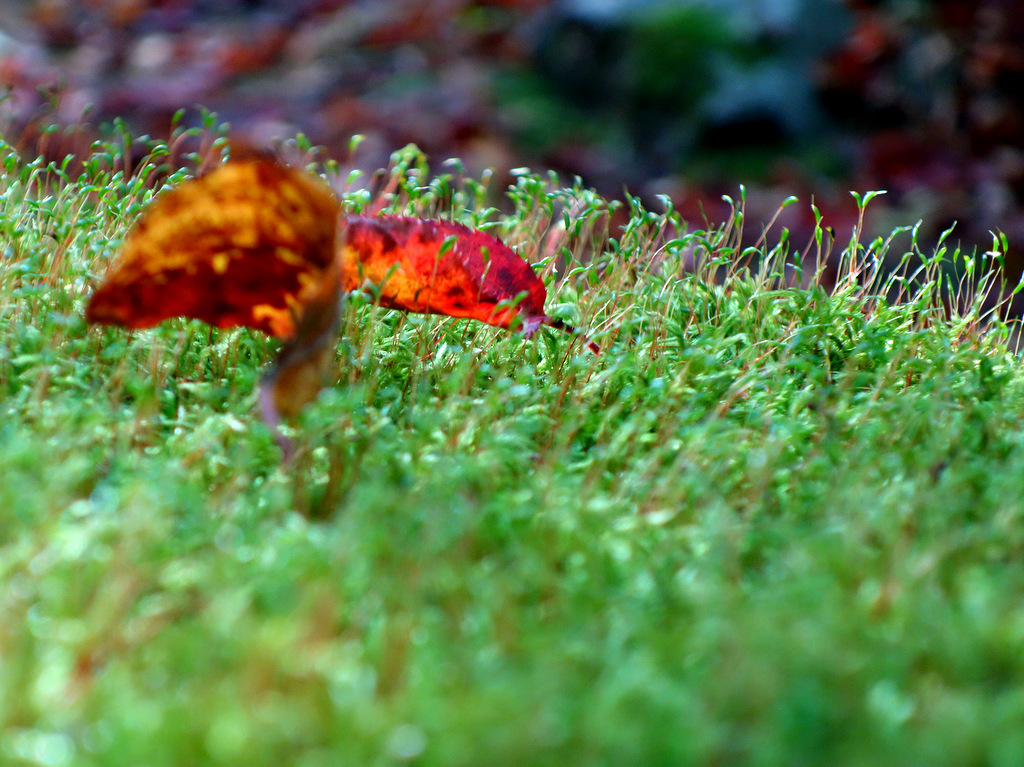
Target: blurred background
(688, 98)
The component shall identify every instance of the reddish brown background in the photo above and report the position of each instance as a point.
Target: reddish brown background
(797, 97)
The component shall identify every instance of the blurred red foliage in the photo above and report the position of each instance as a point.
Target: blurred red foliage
(922, 99)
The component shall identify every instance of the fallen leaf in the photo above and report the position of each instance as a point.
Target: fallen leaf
(241, 245)
(255, 243)
(442, 267)
(252, 243)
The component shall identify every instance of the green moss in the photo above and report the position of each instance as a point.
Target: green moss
(767, 524)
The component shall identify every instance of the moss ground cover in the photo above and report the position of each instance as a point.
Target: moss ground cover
(770, 524)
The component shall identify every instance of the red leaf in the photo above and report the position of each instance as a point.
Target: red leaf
(251, 243)
(442, 267)
(238, 246)
(254, 243)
